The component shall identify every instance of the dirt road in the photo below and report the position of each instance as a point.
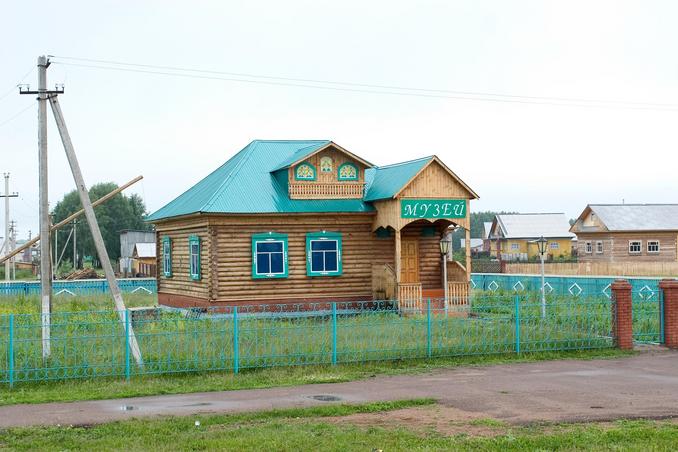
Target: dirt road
(645, 385)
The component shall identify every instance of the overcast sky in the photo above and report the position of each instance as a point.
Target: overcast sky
(517, 156)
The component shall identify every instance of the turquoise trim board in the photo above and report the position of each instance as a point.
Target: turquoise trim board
(269, 256)
(167, 256)
(323, 254)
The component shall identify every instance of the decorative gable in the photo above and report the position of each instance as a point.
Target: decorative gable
(330, 173)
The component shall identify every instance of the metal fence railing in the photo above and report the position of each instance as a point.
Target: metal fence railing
(96, 344)
(78, 287)
(648, 316)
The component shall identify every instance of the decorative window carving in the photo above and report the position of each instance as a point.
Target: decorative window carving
(348, 171)
(269, 255)
(326, 165)
(304, 171)
(323, 254)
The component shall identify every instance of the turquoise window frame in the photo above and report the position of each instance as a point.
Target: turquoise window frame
(315, 172)
(269, 237)
(357, 173)
(321, 236)
(167, 257)
(194, 272)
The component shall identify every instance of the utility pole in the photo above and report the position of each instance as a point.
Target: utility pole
(45, 264)
(12, 228)
(94, 226)
(8, 247)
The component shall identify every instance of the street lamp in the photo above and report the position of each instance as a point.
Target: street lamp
(541, 244)
(444, 250)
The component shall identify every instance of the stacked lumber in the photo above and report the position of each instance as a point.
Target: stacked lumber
(85, 273)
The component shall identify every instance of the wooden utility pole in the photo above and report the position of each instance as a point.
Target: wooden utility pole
(7, 243)
(93, 224)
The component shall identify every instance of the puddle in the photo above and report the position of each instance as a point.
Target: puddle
(325, 398)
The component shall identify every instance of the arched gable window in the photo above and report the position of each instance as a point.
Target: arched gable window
(326, 164)
(347, 171)
(304, 171)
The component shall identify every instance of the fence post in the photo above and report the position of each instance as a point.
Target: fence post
(669, 288)
(127, 345)
(516, 303)
(428, 328)
(236, 356)
(661, 317)
(11, 350)
(622, 314)
(334, 333)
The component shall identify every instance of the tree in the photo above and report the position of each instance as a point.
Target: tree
(118, 213)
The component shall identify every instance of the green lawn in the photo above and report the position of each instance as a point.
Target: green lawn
(87, 344)
(327, 429)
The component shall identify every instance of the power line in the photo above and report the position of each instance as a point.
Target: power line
(16, 115)
(13, 89)
(303, 82)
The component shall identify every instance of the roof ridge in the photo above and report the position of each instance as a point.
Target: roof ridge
(635, 204)
(390, 165)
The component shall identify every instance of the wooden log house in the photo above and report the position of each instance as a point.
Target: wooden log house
(308, 221)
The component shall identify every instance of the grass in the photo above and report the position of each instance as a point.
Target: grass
(87, 344)
(109, 388)
(317, 429)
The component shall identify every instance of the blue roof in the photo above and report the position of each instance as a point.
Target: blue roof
(246, 184)
(385, 182)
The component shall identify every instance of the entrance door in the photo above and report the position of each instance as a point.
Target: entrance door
(409, 261)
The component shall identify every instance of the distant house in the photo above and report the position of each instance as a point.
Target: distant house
(627, 233)
(129, 238)
(514, 236)
(487, 243)
(144, 259)
(476, 245)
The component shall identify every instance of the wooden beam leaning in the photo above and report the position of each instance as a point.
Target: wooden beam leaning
(94, 227)
(70, 218)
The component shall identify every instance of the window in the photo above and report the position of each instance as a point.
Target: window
(323, 254)
(635, 246)
(304, 171)
(348, 171)
(269, 255)
(515, 246)
(599, 247)
(589, 247)
(554, 245)
(653, 246)
(167, 256)
(326, 165)
(194, 255)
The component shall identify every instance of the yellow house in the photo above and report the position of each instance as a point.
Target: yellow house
(513, 236)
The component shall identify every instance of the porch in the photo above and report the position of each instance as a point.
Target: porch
(420, 271)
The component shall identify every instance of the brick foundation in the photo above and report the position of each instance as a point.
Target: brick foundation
(622, 314)
(670, 289)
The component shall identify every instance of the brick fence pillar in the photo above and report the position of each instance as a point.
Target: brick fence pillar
(622, 314)
(670, 289)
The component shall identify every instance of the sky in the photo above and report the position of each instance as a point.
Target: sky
(526, 155)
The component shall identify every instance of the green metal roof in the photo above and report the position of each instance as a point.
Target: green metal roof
(246, 183)
(300, 154)
(384, 182)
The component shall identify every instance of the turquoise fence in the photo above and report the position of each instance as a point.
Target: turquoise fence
(574, 286)
(78, 287)
(97, 344)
